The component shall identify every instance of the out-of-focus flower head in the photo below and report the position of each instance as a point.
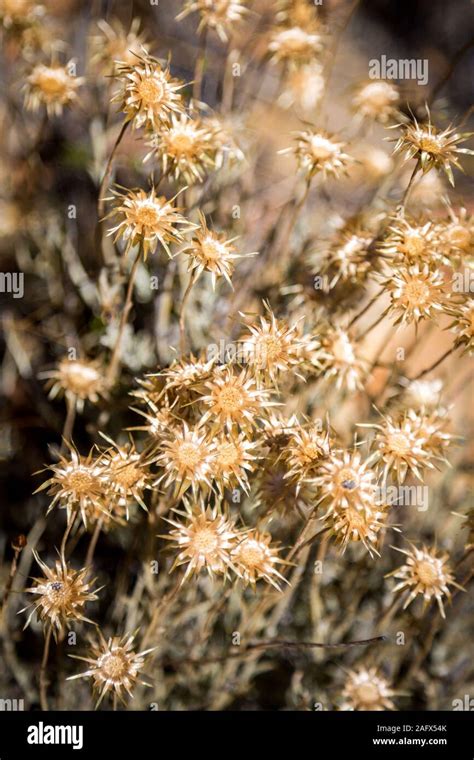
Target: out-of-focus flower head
(52, 86)
(219, 15)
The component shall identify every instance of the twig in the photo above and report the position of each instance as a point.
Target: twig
(436, 363)
(42, 678)
(108, 171)
(115, 359)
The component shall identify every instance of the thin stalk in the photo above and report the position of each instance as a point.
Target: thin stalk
(436, 363)
(93, 542)
(108, 171)
(42, 678)
(68, 423)
(115, 359)
(182, 327)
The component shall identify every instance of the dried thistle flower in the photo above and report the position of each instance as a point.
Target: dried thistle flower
(306, 452)
(128, 474)
(457, 235)
(255, 558)
(114, 667)
(79, 380)
(52, 86)
(463, 325)
(185, 148)
(351, 524)
(219, 15)
(232, 461)
(416, 293)
(78, 484)
(186, 457)
(273, 347)
(346, 480)
(294, 45)
(115, 44)
(365, 689)
(303, 87)
(212, 252)
(234, 401)
(349, 257)
(432, 147)
(402, 445)
(147, 220)
(412, 241)
(427, 573)
(149, 94)
(319, 152)
(204, 540)
(421, 395)
(61, 595)
(376, 100)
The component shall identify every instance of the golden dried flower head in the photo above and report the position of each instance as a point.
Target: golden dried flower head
(204, 540)
(79, 380)
(432, 147)
(255, 558)
(411, 241)
(62, 594)
(416, 293)
(376, 100)
(305, 453)
(78, 484)
(219, 15)
(232, 461)
(457, 235)
(234, 400)
(147, 220)
(114, 667)
(319, 152)
(128, 474)
(346, 480)
(52, 86)
(149, 94)
(273, 347)
(351, 524)
(294, 45)
(463, 325)
(186, 456)
(365, 689)
(402, 445)
(185, 148)
(114, 44)
(212, 252)
(371, 163)
(425, 572)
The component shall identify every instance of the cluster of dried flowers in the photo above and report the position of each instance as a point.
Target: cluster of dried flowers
(239, 459)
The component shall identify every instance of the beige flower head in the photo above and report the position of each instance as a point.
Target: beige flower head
(255, 558)
(367, 690)
(219, 15)
(432, 147)
(186, 457)
(185, 148)
(295, 45)
(319, 153)
(204, 540)
(147, 220)
(376, 100)
(114, 44)
(426, 573)
(61, 594)
(114, 667)
(234, 400)
(79, 380)
(212, 252)
(52, 86)
(416, 292)
(148, 94)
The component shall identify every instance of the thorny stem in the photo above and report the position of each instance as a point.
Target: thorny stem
(42, 678)
(108, 170)
(182, 326)
(115, 359)
(65, 537)
(18, 548)
(407, 192)
(436, 363)
(371, 327)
